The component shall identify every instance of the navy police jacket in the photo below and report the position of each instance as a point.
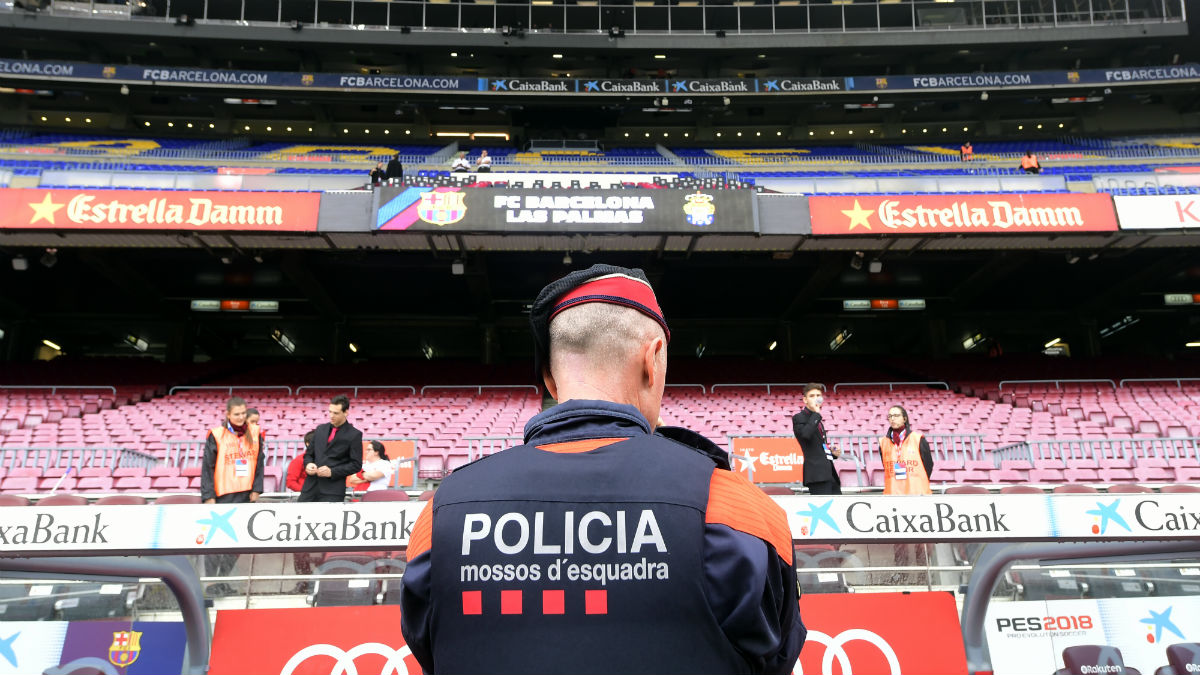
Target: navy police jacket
(600, 547)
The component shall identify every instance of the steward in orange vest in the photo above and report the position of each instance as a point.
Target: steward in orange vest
(233, 459)
(967, 151)
(1029, 163)
(907, 460)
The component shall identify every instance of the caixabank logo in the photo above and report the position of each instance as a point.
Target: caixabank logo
(1158, 622)
(1124, 515)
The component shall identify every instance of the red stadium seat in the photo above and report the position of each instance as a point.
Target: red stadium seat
(1021, 490)
(1074, 489)
(169, 484)
(1179, 488)
(1127, 488)
(120, 500)
(95, 483)
(19, 484)
(385, 496)
(967, 490)
(13, 500)
(63, 500)
(179, 499)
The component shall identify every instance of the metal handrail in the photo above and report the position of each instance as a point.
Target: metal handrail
(55, 387)
(76, 456)
(890, 385)
(1177, 380)
(702, 389)
(768, 385)
(230, 388)
(1057, 383)
(503, 442)
(356, 387)
(478, 387)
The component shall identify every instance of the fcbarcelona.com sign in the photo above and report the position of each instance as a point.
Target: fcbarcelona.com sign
(498, 209)
(263, 527)
(846, 633)
(962, 214)
(158, 210)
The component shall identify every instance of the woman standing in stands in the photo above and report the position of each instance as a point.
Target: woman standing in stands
(377, 469)
(907, 460)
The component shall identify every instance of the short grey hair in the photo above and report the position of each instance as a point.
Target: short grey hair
(603, 332)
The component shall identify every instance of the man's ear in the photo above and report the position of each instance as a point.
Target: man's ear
(551, 385)
(650, 359)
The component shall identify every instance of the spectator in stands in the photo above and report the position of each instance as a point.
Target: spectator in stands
(232, 473)
(295, 472)
(378, 174)
(820, 475)
(907, 461)
(461, 163)
(705, 556)
(377, 469)
(302, 562)
(336, 453)
(966, 152)
(1029, 163)
(484, 165)
(395, 170)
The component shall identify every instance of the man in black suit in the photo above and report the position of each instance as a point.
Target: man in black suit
(335, 453)
(820, 475)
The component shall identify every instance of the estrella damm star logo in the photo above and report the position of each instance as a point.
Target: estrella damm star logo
(858, 216)
(45, 210)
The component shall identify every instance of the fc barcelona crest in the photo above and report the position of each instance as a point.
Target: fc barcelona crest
(881, 83)
(442, 208)
(1073, 76)
(306, 79)
(109, 71)
(699, 209)
(125, 647)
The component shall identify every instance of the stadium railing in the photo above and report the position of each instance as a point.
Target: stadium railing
(75, 458)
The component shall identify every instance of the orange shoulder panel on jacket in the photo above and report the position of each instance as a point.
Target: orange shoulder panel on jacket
(422, 533)
(737, 503)
(586, 445)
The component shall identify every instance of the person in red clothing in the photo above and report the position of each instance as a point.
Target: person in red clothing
(295, 471)
(302, 562)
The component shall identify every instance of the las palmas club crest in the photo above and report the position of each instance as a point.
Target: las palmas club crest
(442, 208)
(699, 209)
(125, 647)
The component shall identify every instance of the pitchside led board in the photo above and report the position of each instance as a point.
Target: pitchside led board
(1029, 637)
(962, 214)
(497, 209)
(847, 633)
(1159, 212)
(68, 647)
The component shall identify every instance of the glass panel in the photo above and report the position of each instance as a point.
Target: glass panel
(721, 16)
(441, 16)
(298, 10)
(516, 16)
(370, 13)
(193, 8)
(652, 18)
(264, 11)
(405, 14)
(547, 17)
(860, 17)
(757, 18)
(687, 18)
(583, 18)
(826, 17)
(896, 16)
(223, 10)
(616, 16)
(791, 18)
(333, 12)
(479, 16)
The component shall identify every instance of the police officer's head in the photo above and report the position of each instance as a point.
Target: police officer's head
(601, 335)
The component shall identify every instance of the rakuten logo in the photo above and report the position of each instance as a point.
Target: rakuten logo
(1090, 670)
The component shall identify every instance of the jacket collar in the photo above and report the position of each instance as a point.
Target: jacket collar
(582, 419)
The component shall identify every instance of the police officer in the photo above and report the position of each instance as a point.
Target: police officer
(601, 545)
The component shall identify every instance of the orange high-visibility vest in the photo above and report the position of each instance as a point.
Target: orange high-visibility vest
(237, 460)
(909, 453)
(1029, 162)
